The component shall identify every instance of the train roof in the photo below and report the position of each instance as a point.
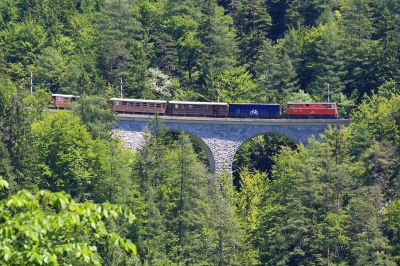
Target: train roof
(254, 103)
(197, 103)
(138, 100)
(63, 95)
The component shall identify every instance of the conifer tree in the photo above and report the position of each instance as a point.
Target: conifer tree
(326, 67)
(219, 40)
(360, 52)
(252, 22)
(275, 74)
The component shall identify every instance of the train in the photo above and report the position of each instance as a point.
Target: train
(322, 110)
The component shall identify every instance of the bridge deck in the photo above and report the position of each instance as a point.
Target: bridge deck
(232, 120)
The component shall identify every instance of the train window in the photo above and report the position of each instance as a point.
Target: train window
(158, 105)
(190, 107)
(204, 107)
(331, 105)
(137, 104)
(184, 106)
(307, 105)
(151, 105)
(144, 104)
(176, 106)
(116, 103)
(131, 104)
(326, 105)
(124, 103)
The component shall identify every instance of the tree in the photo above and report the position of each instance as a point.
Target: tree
(252, 21)
(326, 67)
(275, 74)
(392, 218)
(361, 51)
(16, 135)
(49, 69)
(306, 13)
(49, 228)
(69, 159)
(95, 112)
(122, 50)
(21, 42)
(233, 85)
(217, 35)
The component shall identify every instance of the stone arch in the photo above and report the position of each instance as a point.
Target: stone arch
(265, 132)
(285, 138)
(201, 143)
(289, 133)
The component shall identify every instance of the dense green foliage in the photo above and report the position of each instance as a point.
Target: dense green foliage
(51, 228)
(334, 201)
(232, 50)
(69, 192)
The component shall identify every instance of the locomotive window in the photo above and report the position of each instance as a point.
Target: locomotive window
(331, 105)
(326, 105)
(307, 105)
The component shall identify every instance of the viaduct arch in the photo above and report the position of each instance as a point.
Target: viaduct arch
(222, 137)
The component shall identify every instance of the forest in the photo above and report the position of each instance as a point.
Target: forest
(71, 194)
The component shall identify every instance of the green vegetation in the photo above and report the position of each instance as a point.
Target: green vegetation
(200, 50)
(70, 194)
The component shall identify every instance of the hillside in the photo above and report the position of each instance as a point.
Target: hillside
(71, 194)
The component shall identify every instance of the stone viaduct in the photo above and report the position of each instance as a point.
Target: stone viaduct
(221, 137)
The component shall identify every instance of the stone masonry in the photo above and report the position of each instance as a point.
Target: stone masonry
(222, 137)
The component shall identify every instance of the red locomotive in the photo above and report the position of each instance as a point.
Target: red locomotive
(197, 108)
(139, 106)
(311, 110)
(63, 101)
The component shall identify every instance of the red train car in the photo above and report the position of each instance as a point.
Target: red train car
(138, 106)
(197, 108)
(63, 101)
(311, 110)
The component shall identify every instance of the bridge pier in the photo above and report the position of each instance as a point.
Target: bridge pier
(221, 137)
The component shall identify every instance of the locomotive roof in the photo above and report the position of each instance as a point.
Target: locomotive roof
(197, 103)
(312, 103)
(138, 100)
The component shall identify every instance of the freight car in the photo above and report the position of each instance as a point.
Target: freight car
(138, 106)
(255, 110)
(311, 110)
